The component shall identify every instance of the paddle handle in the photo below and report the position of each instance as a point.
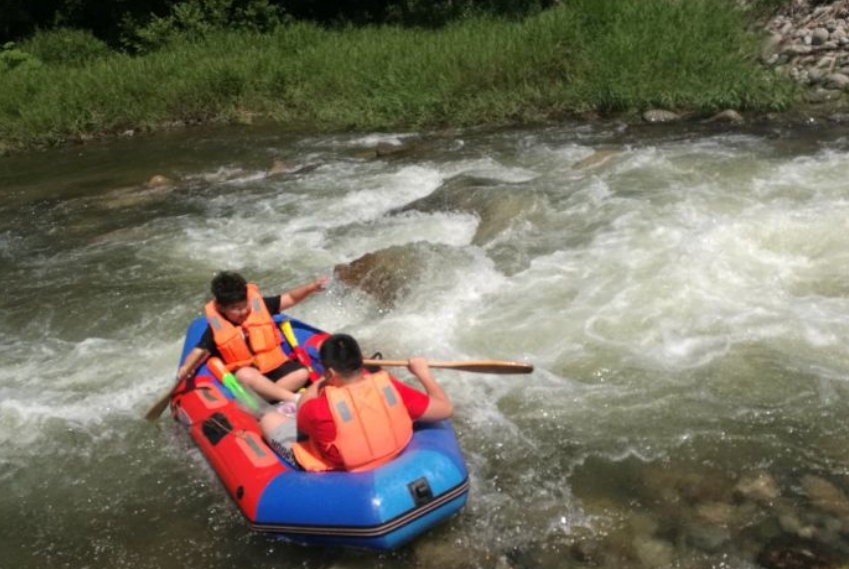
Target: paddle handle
(475, 366)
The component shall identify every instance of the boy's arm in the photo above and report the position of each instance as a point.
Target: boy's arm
(296, 295)
(193, 361)
(440, 406)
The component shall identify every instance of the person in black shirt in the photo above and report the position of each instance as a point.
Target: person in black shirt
(250, 327)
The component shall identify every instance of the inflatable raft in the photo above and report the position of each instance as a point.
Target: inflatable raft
(376, 509)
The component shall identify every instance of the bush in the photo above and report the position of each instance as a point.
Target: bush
(12, 57)
(196, 19)
(64, 46)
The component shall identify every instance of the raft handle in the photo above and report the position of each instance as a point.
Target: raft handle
(420, 491)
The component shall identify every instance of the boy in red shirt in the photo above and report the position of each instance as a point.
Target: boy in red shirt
(344, 374)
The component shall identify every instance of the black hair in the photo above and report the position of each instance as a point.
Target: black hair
(229, 288)
(341, 353)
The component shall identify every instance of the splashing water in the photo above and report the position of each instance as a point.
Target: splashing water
(683, 296)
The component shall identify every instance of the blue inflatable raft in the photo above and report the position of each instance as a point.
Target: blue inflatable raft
(378, 509)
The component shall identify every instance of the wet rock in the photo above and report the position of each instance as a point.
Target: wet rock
(727, 116)
(792, 524)
(384, 149)
(697, 488)
(383, 274)
(716, 513)
(707, 537)
(133, 196)
(825, 496)
(588, 552)
(793, 553)
(597, 158)
(158, 181)
(758, 487)
(654, 552)
(281, 167)
(386, 275)
(658, 116)
(496, 203)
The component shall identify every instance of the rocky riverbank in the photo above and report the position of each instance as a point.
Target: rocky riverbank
(809, 42)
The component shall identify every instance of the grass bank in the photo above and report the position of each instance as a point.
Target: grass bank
(603, 55)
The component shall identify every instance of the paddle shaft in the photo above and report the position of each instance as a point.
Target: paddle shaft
(475, 366)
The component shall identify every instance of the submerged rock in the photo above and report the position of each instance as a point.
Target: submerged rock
(158, 181)
(825, 496)
(758, 487)
(597, 158)
(793, 553)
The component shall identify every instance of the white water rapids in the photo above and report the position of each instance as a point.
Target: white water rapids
(684, 297)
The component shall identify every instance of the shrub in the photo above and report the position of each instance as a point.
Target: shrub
(12, 57)
(65, 46)
(195, 19)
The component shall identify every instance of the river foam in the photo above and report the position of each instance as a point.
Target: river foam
(683, 298)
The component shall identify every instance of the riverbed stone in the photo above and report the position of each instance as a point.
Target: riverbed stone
(597, 158)
(656, 116)
(716, 513)
(727, 116)
(381, 274)
(707, 537)
(654, 553)
(837, 81)
(158, 181)
(794, 553)
(821, 95)
(819, 36)
(757, 487)
(825, 496)
(771, 46)
(815, 75)
(282, 167)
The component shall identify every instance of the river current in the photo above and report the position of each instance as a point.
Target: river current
(683, 294)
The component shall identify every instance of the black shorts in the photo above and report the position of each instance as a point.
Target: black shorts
(287, 368)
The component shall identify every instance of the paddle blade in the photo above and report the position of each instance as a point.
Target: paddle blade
(474, 366)
(158, 408)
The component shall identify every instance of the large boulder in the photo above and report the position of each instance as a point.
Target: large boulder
(498, 204)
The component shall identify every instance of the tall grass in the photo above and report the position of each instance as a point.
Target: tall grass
(606, 55)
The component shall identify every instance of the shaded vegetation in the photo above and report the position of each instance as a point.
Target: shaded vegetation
(583, 55)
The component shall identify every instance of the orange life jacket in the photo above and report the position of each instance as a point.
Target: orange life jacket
(372, 426)
(253, 343)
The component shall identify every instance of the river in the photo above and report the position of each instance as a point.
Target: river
(682, 292)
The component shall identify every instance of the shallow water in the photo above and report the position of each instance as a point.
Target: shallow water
(681, 292)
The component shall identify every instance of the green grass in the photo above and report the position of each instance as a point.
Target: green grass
(605, 55)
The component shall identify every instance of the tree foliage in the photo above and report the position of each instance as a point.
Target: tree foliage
(152, 21)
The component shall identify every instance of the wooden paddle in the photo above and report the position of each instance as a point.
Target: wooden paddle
(160, 405)
(475, 366)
